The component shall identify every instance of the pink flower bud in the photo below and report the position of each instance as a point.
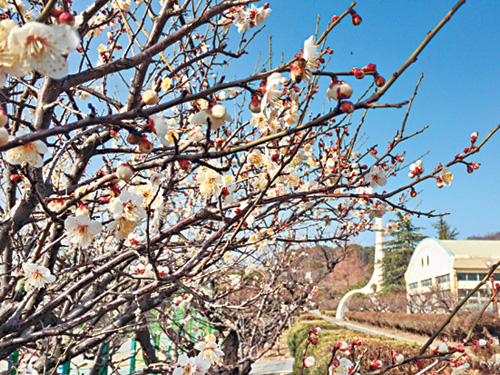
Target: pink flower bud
(473, 137)
(4, 136)
(370, 68)
(66, 18)
(338, 91)
(380, 81)
(150, 97)
(255, 105)
(377, 364)
(347, 107)
(398, 358)
(309, 361)
(124, 171)
(4, 119)
(342, 345)
(442, 348)
(315, 330)
(358, 73)
(356, 19)
(184, 164)
(145, 146)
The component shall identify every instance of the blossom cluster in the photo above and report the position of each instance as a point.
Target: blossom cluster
(35, 46)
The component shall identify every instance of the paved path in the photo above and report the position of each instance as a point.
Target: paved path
(283, 366)
(355, 327)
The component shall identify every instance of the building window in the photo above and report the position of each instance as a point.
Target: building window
(443, 279)
(427, 260)
(470, 276)
(413, 285)
(426, 282)
(422, 262)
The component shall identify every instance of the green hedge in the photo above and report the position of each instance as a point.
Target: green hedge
(427, 324)
(376, 346)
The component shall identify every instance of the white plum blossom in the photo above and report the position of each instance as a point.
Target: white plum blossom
(164, 131)
(461, 370)
(446, 176)
(36, 277)
(216, 116)
(7, 57)
(124, 171)
(338, 91)
(210, 182)
(43, 47)
(376, 177)
(209, 350)
(128, 206)
(196, 134)
(416, 169)
(29, 370)
(26, 153)
(306, 64)
(310, 52)
(344, 367)
(245, 18)
(309, 361)
(191, 366)
(442, 348)
(81, 230)
(273, 94)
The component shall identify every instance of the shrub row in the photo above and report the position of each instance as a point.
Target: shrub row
(376, 347)
(427, 324)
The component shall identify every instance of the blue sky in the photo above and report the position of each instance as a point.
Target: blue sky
(458, 95)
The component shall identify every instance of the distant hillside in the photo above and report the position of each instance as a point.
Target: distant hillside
(492, 236)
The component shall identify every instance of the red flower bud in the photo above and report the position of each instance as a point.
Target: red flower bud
(380, 81)
(335, 18)
(184, 164)
(313, 340)
(469, 169)
(370, 68)
(104, 199)
(266, 5)
(347, 107)
(473, 137)
(55, 12)
(66, 18)
(375, 365)
(254, 105)
(358, 73)
(356, 19)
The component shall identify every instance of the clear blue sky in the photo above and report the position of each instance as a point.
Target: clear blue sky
(459, 94)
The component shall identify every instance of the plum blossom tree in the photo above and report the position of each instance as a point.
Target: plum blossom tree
(135, 180)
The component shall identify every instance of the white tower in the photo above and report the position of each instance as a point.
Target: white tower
(375, 283)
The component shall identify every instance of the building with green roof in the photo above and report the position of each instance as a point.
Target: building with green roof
(453, 266)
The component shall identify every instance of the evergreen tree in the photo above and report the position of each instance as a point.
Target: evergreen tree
(444, 231)
(398, 251)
